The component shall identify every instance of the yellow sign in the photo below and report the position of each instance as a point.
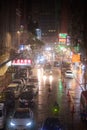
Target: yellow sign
(63, 40)
(76, 58)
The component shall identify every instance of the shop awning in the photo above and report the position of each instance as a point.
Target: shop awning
(3, 70)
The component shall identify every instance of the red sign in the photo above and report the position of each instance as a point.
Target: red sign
(21, 62)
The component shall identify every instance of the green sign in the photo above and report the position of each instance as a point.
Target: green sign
(62, 35)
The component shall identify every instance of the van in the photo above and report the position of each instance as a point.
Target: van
(83, 105)
(2, 115)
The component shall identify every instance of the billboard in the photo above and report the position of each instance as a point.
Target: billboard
(75, 58)
(62, 38)
(62, 35)
(20, 62)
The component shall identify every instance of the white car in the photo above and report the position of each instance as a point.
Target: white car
(22, 119)
(69, 74)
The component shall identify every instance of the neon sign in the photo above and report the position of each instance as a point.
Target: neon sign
(21, 62)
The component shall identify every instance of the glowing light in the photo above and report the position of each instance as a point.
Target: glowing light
(60, 85)
(50, 78)
(21, 62)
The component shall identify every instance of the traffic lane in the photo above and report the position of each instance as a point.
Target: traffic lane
(73, 92)
(68, 114)
(59, 94)
(45, 103)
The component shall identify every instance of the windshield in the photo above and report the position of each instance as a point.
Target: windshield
(69, 72)
(19, 82)
(26, 95)
(22, 114)
(12, 88)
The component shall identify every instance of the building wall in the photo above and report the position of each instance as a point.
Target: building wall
(12, 15)
(64, 16)
(46, 13)
(78, 25)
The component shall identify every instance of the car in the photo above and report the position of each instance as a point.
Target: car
(2, 115)
(69, 74)
(32, 87)
(48, 72)
(14, 87)
(8, 98)
(26, 99)
(22, 119)
(21, 82)
(51, 123)
(56, 64)
(33, 80)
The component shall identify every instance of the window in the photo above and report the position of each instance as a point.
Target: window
(22, 114)
(0, 113)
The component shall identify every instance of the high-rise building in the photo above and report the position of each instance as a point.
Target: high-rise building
(64, 16)
(46, 14)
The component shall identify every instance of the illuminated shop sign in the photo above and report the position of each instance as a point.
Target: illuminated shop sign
(62, 35)
(21, 62)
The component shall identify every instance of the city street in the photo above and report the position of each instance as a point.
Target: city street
(67, 94)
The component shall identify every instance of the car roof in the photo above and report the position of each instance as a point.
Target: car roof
(30, 84)
(51, 122)
(23, 109)
(69, 71)
(13, 85)
(52, 119)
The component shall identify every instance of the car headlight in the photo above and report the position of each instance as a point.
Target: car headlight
(29, 124)
(50, 72)
(12, 124)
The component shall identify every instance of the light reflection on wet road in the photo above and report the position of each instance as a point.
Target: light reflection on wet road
(66, 93)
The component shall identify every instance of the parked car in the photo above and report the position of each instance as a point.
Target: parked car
(33, 80)
(31, 87)
(8, 98)
(21, 82)
(22, 119)
(14, 87)
(26, 99)
(2, 115)
(51, 123)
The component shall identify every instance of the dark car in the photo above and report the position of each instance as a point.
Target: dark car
(52, 123)
(31, 87)
(8, 98)
(26, 99)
